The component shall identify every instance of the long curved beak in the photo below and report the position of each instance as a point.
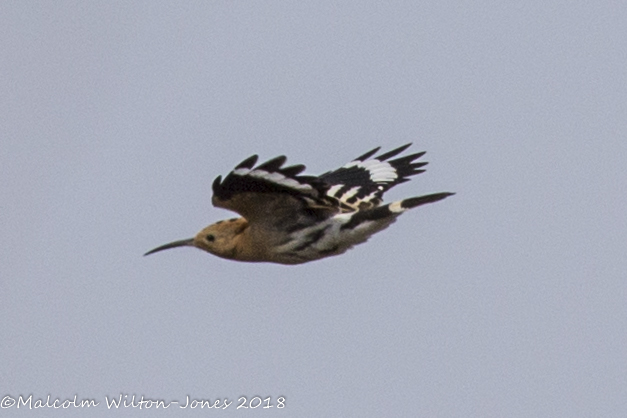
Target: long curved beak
(182, 243)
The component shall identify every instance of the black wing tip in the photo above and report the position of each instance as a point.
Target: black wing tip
(216, 184)
(293, 170)
(407, 159)
(273, 164)
(384, 156)
(367, 155)
(248, 162)
(394, 152)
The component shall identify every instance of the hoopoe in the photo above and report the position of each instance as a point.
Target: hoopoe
(289, 218)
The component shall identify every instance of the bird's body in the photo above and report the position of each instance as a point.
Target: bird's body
(291, 219)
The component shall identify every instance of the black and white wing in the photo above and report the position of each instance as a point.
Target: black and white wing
(272, 194)
(361, 183)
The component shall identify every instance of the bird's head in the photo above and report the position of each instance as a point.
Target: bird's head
(218, 238)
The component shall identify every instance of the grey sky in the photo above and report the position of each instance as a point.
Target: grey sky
(506, 300)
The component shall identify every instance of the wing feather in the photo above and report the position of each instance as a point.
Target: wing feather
(248, 162)
(270, 194)
(361, 183)
(273, 196)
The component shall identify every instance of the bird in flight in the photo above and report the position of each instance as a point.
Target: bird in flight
(288, 218)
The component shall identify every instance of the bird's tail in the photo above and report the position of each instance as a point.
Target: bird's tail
(388, 213)
(412, 202)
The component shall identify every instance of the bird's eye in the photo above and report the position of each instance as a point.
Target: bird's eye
(210, 238)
